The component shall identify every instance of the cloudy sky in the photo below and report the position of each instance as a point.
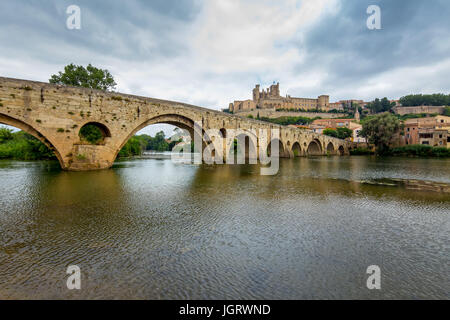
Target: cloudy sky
(210, 52)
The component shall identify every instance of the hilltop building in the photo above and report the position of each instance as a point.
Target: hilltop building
(270, 98)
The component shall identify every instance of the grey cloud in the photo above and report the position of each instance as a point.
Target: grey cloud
(414, 33)
(128, 33)
(108, 28)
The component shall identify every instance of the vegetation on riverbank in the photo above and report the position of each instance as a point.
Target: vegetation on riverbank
(420, 150)
(22, 146)
(140, 143)
(361, 152)
(380, 130)
(417, 150)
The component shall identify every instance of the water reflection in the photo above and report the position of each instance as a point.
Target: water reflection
(152, 229)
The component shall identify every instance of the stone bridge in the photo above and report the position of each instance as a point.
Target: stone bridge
(55, 114)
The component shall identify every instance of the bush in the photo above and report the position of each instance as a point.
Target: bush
(447, 111)
(341, 133)
(285, 121)
(361, 152)
(91, 134)
(5, 135)
(420, 150)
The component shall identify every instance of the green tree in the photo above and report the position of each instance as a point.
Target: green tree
(89, 77)
(447, 111)
(378, 106)
(380, 130)
(159, 143)
(330, 132)
(137, 144)
(344, 133)
(436, 99)
(341, 133)
(22, 146)
(133, 147)
(5, 135)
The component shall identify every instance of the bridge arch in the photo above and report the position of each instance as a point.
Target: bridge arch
(288, 150)
(103, 129)
(341, 150)
(10, 121)
(281, 148)
(330, 148)
(232, 142)
(314, 148)
(249, 142)
(296, 149)
(177, 120)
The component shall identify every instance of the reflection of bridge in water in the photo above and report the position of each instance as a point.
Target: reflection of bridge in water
(55, 114)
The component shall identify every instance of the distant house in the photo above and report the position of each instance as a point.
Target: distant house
(319, 125)
(434, 131)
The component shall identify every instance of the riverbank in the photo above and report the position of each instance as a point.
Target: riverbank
(418, 151)
(22, 146)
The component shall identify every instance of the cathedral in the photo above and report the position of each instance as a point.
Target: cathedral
(270, 98)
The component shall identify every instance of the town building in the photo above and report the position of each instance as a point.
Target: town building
(240, 106)
(319, 125)
(433, 137)
(434, 131)
(356, 128)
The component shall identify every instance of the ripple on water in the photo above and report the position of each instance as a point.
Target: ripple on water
(152, 229)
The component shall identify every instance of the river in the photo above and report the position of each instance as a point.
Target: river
(154, 229)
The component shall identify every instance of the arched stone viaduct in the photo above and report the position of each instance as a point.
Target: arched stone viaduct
(55, 114)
